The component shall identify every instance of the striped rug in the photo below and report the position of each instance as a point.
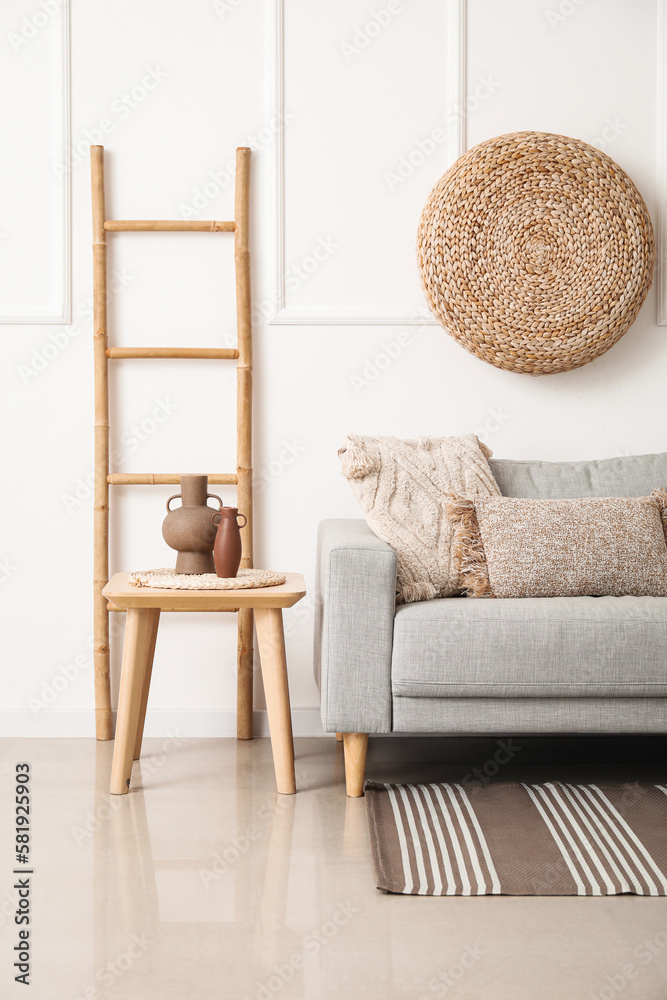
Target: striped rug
(552, 839)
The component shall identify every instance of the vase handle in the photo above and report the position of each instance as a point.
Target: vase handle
(176, 496)
(215, 497)
(213, 518)
(245, 520)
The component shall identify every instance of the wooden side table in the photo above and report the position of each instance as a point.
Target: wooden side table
(143, 606)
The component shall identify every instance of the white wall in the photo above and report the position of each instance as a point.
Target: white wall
(373, 110)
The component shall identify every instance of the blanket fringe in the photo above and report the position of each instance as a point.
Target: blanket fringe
(468, 548)
(409, 592)
(660, 497)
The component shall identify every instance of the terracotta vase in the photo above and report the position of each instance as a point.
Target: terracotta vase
(227, 548)
(188, 528)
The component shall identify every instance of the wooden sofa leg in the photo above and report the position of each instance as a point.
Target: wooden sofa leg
(339, 737)
(355, 746)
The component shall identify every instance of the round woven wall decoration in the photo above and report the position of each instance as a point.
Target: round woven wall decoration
(535, 252)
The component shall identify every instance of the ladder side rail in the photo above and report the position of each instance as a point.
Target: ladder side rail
(244, 678)
(101, 512)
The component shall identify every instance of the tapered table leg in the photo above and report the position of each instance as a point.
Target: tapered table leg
(244, 678)
(148, 670)
(139, 641)
(271, 641)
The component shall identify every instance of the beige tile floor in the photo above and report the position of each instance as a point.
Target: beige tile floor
(203, 883)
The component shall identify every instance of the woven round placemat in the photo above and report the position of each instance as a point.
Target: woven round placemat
(535, 252)
(168, 579)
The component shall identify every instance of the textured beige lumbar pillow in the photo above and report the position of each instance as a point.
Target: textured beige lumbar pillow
(402, 487)
(597, 546)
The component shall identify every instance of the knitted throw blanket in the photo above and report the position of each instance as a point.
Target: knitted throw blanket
(402, 487)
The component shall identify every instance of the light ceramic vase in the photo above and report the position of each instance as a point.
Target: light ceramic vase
(188, 528)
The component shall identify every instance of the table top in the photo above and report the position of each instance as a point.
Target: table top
(122, 594)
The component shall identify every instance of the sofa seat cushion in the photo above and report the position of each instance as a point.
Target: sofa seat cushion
(560, 647)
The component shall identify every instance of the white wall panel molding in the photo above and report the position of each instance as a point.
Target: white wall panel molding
(290, 272)
(35, 228)
(661, 265)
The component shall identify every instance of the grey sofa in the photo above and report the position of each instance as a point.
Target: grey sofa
(459, 665)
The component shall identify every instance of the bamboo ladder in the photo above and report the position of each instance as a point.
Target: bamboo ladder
(104, 478)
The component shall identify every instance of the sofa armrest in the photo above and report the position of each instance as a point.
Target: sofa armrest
(355, 604)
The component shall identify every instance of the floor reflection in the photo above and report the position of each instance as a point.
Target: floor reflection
(212, 899)
(203, 884)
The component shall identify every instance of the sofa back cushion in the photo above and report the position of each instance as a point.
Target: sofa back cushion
(589, 546)
(629, 476)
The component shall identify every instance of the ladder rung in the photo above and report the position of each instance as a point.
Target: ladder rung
(166, 226)
(156, 479)
(228, 353)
